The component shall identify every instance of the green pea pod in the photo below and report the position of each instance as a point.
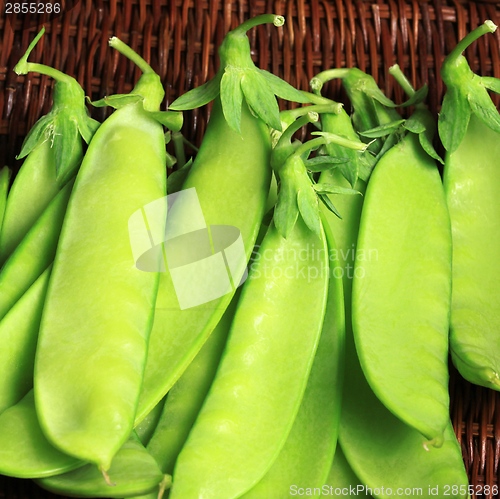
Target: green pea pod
(53, 150)
(24, 450)
(5, 173)
(234, 158)
(19, 333)
(306, 457)
(133, 471)
(471, 178)
(341, 480)
(91, 351)
(261, 380)
(402, 288)
(385, 453)
(34, 253)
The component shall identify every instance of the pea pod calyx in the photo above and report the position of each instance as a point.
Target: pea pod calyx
(65, 123)
(466, 93)
(239, 79)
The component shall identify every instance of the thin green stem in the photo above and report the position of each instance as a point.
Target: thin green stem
(23, 66)
(341, 141)
(332, 107)
(301, 121)
(487, 27)
(258, 20)
(130, 54)
(402, 80)
(180, 154)
(320, 79)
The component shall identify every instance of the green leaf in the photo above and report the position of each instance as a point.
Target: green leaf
(87, 127)
(118, 101)
(382, 130)
(286, 210)
(366, 164)
(171, 119)
(418, 96)
(414, 125)
(39, 133)
(199, 96)
(261, 99)
(453, 119)
(176, 179)
(326, 188)
(491, 83)
(231, 96)
(323, 163)
(373, 91)
(328, 203)
(307, 202)
(65, 139)
(283, 89)
(482, 106)
(426, 142)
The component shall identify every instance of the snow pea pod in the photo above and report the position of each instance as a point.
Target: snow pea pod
(53, 150)
(469, 127)
(402, 288)
(133, 472)
(306, 457)
(248, 413)
(387, 454)
(34, 253)
(233, 159)
(91, 352)
(18, 337)
(24, 449)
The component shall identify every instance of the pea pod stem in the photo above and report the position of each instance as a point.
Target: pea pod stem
(402, 80)
(321, 78)
(130, 54)
(277, 20)
(487, 27)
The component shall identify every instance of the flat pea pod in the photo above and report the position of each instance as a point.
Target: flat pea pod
(53, 151)
(248, 413)
(91, 352)
(133, 471)
(470, 181)
(306, 457)
(342, 480)
(387, 454)
(34, 253)
(402, 288)
(469, 129)
(25, 452)
(236, 165)
(146, 428)
(18, 335)
(5, 174)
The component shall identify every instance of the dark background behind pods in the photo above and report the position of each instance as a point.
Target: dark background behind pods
(180, 37)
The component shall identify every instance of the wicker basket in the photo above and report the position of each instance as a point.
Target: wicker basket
(179, 39)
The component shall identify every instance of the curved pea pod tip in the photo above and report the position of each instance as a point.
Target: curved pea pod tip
(239, 79)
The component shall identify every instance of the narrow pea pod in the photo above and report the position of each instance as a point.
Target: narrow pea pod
(274, 331)
(5, 173)
(305, 459)
(34, 253)
(53, 150)
(134, 471)
(234, 158)
(18, 335)
(99, 307)
(469, 127)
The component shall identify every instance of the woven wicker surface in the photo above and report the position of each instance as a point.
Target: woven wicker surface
(179, 39)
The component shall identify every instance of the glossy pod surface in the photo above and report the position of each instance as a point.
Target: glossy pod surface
(98, 312)
(224, 455)
(471, 182)
(305, 459)
(401, 288)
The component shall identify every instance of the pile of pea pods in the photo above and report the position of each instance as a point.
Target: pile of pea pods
(275, 318)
